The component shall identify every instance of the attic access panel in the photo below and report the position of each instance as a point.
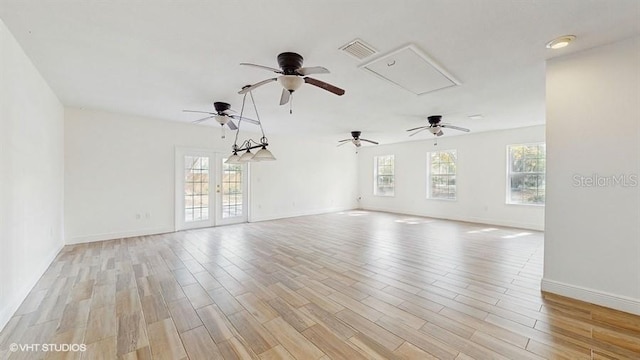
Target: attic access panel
(411, 69)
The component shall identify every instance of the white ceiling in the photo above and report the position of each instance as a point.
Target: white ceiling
(155, 58)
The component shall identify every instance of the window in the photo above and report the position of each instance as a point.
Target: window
(383, 183)
(441, 182)
(526, 169)
(196, 188)
(231, 190)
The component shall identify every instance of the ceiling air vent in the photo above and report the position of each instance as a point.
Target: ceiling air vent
(358, 49)
(411, 69)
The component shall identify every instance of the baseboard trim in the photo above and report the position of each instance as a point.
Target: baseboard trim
(14, 305)
(475, 220)
(118, 235)
(296, 214)
(592, 296)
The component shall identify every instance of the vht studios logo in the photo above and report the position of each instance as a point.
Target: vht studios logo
(597, 180)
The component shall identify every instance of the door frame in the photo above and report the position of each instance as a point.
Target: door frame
(219, 200)
(180, 153)
(216, 173)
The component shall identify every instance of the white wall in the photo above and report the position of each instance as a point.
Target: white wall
(117, 166)
(481, 179)
(592, 242)
(309, 177)
(31, 172)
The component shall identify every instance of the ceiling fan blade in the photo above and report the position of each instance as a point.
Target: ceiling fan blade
(324, 85)
(370, 141)
(312, 70)
(419, 127)
(244, 118)
(263, 67)
(201, 120)
(344, 140)
(340, 143)
(454, 127)
(203, 112)
(232, 125)
(252, 87)
(419, 131)
(284, 98)
(439, 133)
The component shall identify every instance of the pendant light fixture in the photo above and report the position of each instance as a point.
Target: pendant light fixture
(261, 155)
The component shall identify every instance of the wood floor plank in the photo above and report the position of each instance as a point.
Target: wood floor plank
(392, 311)
(104, 349)
(165, 342)
(260, 310)
(288, 295)
(291, 315)
(371, 349)
(295, 343)
(199, 345)
(258, 338)
(139, 354)
(102, 324)
(233, 349)
(330, 344)
(72, 336)
(183, 315)
(216, 323)
(197, 295)
(132, 333)
(356, 306)
(329, 320)
(424, 341)
(408, 351)
(276, 353)
(370, 329)
(154, 308)
(319, 287)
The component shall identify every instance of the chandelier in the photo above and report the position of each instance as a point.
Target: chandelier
(261, 155)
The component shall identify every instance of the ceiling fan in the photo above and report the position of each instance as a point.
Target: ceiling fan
(292, 76)
(223, 115)
(435, 127)
(356, 139)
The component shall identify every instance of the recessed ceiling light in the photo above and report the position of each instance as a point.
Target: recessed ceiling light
(475, 117)
(560, 42)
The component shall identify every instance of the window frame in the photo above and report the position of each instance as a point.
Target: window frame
(376, 176)
(510, 173)
(430, 175)
(237, 171)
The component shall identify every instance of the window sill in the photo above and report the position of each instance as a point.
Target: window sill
(519, 204)
(443, 199)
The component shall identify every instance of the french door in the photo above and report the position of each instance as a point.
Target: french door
(208, 191)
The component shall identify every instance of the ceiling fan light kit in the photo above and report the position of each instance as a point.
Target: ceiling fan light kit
(290, 83)
(222, 120)
(292, 76)
(223, 115)
(435, 127)
(356, 140)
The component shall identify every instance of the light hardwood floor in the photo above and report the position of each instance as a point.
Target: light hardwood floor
(353, 285)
